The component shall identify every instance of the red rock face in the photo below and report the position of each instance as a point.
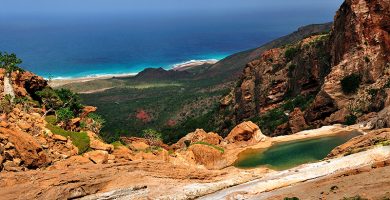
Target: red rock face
(359, 43)
(25, 84)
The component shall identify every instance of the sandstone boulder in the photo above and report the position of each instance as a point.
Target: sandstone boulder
(199, 135)
(26, 148)
(97, 156)
(123, 152)
(97, 144)
(207, 156)
(245, 132)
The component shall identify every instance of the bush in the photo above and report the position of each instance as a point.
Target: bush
(49, 98)
(6, 104)
(152, 136)
(79, 139)
(290, 53)
(64, 114)
(51, 119)
(97, 118)
(350, 83)
(117, 144)
(350, 120)
(291, 198)
(271, 120)
(70, 100)
(302, 102)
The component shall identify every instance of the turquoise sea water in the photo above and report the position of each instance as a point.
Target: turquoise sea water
(290, 154)
(56, 42)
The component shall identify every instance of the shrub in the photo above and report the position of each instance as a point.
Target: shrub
(97, 118)
(291, 198)
(117, 144)
(64, 114)
(51, 119)
(357, 197)
(290, 53)
(350, 83)
(70, 100)
(272, 119)
(6, 104)
(299, 101)
(350, 120)
(49, 98)
(79, 139)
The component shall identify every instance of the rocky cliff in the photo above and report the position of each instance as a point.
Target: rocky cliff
(323, 79)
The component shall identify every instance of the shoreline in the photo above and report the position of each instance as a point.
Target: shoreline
(57, 82)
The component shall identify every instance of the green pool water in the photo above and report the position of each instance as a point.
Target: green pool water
(290, 154)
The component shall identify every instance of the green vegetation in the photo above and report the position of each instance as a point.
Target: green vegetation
(9, 62)
(350, 83)
(357, 197)
(350, 120)
(291, 198)
(173, 110)
(290, 53)
(79, 139)
(211, 145)
(64, 114)
(117, 144)
(302, 102)
(270, 120)
(6, 104)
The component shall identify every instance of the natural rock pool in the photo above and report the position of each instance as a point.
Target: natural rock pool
(286, 155)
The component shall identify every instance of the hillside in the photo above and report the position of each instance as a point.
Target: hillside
(173, 102)
(337, 77)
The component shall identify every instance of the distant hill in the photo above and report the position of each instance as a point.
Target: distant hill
(232, 66)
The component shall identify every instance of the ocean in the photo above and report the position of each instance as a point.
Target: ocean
(61, 45)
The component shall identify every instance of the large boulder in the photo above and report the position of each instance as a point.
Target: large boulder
(23, 146)
(206, 155)
(199, 135)
(124, 153)
(97, 144)
(97, 156)
(245, 132)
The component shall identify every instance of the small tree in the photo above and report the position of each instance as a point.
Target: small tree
(70, 100)
(152, 135)
(49, 99)
(9, 62)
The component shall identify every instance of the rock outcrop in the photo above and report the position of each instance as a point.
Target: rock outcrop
(358, 46)
(362, 143)
(25, 84)
(199, 135)
(246, 132)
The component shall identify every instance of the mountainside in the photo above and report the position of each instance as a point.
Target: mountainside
(336, 77)
(174, 102)
(231, 66)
